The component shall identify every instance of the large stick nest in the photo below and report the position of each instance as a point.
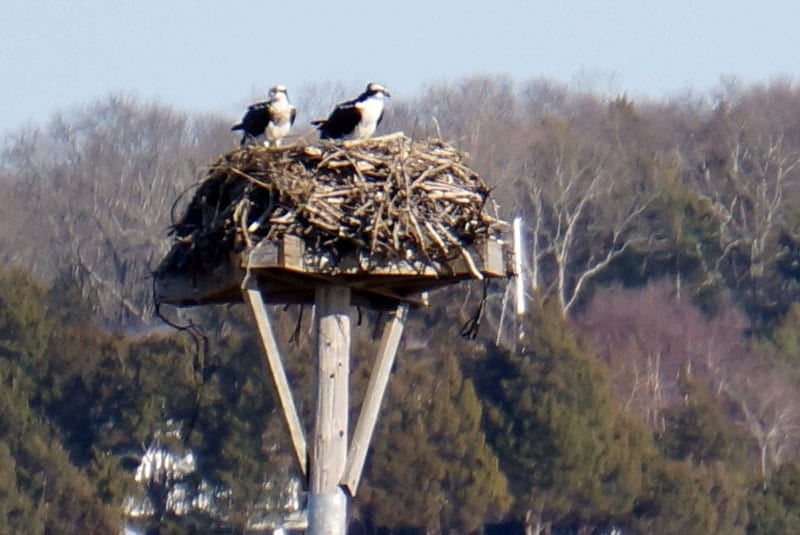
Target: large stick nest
(390, 197)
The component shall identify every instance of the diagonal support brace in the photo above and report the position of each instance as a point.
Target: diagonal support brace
(370, 408)
(252, 294)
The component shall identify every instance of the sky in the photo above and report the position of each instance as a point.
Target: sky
(216, 56)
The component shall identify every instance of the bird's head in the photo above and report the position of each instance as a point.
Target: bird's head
(278, 92)
(377, 89)
(277, 89)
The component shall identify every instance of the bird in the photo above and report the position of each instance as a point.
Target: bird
(273, 117)
(357, 118)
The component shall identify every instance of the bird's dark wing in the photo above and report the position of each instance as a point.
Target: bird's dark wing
(292, 115)
(255, 120)
(347, 103)
(264, 104)
(341, 122)
(380, 118)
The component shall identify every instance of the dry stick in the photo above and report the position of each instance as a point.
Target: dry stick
(337, 165)
(254, 180)
(436, 238)
(320, 212)
(395, 237)
(376, 221)
(448, 158)
(427, 173)
(355, 166)
(240, 216)
(324, 225)
(377, 162)
(330, 157)
(412, 218)
(473, 269)
(285, 219)
(364, 208)
(419, 237)
(465, 173)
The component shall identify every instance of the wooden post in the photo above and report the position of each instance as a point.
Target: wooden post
(253, 296)
(370, 408)
(519, 252)
(327, 503)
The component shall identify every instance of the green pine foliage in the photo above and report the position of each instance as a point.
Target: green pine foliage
(569, 455)
(430, 460)
(43, 492)
(237, 432)
(697, 428)
(782, 346)
(24, 324)
(776, 508)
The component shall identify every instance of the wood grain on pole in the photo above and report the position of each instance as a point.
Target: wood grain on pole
(327, 513)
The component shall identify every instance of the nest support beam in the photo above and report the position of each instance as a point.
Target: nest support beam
(288, 269)
(376, 388)
(327, 503)
(253, 297)
(333, 472)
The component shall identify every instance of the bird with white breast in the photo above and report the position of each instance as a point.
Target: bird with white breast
(272, 118)
(357, 118)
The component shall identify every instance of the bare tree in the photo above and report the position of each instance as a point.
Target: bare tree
(646, 336)
(748, 170)
(586, 210)
(770, 405)
(96, 189)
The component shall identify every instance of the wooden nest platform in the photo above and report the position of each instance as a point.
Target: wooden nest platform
(390, 217)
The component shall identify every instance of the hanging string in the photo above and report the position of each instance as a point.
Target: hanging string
(201, 368)
(470, 328)
(295, 337)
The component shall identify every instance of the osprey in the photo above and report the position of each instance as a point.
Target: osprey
(273, 117)
(357, 118)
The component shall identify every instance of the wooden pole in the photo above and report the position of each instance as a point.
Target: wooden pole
(253, 296)
(378, 379)
(519, 252)
(327, 503)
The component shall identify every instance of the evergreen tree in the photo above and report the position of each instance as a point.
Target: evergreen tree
(697, 428)
(430, 464)
(570, 456)
(47, 494)
(24, 325)
(241, 445)
(776, 509)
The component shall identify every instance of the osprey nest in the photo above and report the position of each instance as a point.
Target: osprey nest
(384, 198)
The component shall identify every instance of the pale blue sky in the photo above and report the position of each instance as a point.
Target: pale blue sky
(203, 55)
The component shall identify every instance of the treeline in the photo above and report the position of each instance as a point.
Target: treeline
(654, 386)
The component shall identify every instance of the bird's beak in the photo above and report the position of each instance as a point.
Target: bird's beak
(386, 92)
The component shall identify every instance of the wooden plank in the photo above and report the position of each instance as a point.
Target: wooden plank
(189, 288)
(378, 379)
(255, 300)
(493, 260)
(329, 441)
(519, 253)
(292, 253)
(289, 273)
(351, 265)
(265, 254)
(388, 293)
